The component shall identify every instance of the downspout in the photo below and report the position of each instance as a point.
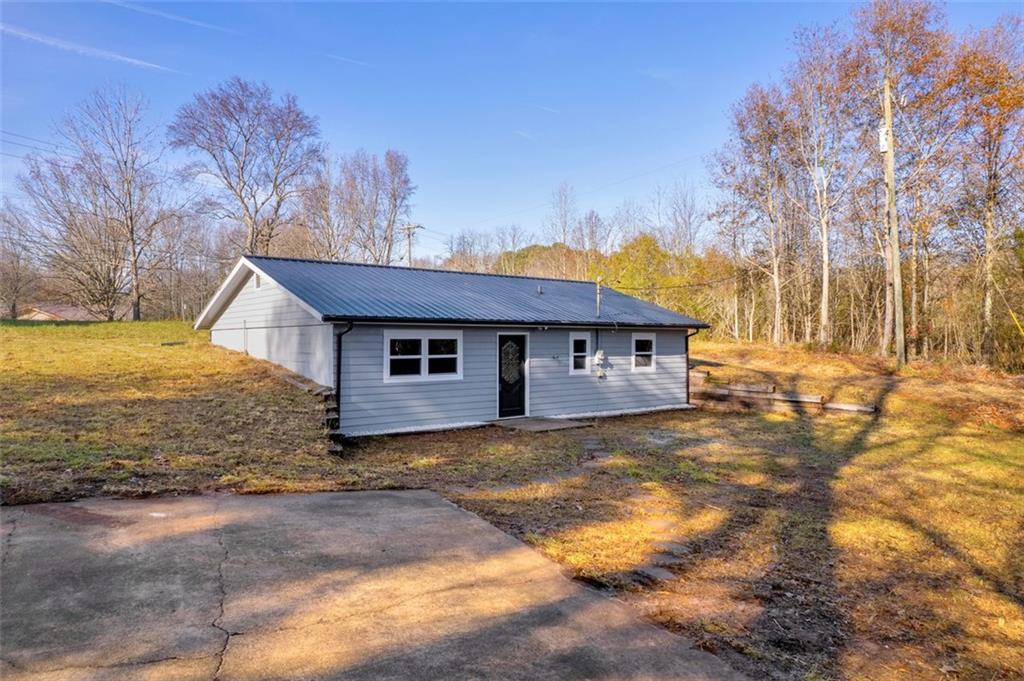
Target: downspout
(687, 349)
(337, 368)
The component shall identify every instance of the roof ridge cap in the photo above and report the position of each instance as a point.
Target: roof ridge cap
(419, 269)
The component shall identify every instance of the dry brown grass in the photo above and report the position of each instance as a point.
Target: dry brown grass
(108, 409)
(830, 546)
(821, 546)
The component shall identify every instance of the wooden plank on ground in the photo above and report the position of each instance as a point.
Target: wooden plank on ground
(297, 383)
(751, 387)
(714, 392)
(745, 395)
(797, 397)
(844, 406)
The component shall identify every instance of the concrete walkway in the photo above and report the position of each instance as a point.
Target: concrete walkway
(358, 585)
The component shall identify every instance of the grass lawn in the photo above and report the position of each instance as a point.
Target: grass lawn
(816, 547)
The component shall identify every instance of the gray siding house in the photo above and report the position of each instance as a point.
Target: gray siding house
(410, 349)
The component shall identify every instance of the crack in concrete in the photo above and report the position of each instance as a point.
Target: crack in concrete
(116, 665)
(220, 608)
(7, 542)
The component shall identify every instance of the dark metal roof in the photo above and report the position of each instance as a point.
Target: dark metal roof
(350, 291)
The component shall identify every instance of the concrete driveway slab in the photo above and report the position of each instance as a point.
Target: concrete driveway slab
(351, 585)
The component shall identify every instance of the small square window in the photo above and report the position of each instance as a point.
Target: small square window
(579, 352)
(643, 352)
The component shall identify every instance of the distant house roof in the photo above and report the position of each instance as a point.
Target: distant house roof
(338, 291)
(58, 312)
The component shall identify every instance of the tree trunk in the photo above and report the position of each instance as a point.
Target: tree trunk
(988, 284)
(893, 225)
(777, 293)
(885, 338)
(136, 284)
(750, 317)
(736, 309)
(824, 323)
(926, 321)
(915, 337)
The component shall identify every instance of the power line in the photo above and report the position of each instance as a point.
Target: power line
(439, 240)
(31, 146)
(409, 229)
(33, 139)
(697, 284)
(162, 171)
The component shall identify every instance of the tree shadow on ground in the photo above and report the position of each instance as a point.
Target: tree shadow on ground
(765, 585)
(799, 625)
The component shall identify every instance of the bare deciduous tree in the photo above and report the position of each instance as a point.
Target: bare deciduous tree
(820, 134)
(677, 216)
(751, 170)
(257, 148)
(115, 150)
(561, 222)
(76, 230)
(509, 240)
(374, 196)
(19, 274)
(322, 212)
(470, 252)
(629, 220)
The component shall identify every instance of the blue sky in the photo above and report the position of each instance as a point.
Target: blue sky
(494, 104)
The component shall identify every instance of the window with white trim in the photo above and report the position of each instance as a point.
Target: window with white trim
(579, 352)
(256, 281)
(414, 355)
(644, 352)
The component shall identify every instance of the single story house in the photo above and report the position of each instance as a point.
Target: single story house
(409, 349)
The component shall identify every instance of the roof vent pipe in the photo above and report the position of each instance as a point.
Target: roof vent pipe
(540, 290)
(599, 297)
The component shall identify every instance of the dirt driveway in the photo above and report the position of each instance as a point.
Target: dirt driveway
(356, 585)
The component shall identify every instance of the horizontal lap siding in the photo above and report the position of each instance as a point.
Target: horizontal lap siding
(554, 392)
(369, 405)
(270, 324)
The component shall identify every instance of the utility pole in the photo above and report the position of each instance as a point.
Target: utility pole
(409, 228)
(892, 218)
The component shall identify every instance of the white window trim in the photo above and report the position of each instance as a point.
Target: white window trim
(573, 337)
(654, 352)
(257, 283)
(424, 336)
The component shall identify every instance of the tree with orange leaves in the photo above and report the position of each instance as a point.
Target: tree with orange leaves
(990, 72)
(900, 58)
